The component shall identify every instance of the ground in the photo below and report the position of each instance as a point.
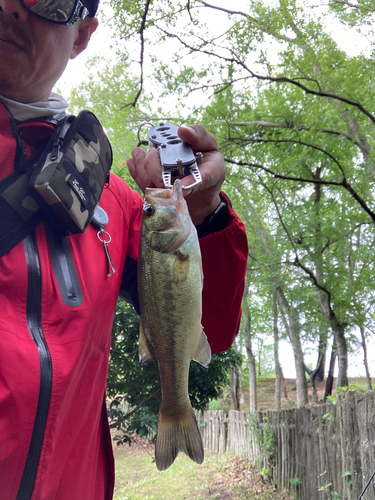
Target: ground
(220, 477)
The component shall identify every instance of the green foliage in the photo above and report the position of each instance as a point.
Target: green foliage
(333, 399)
(348, 475)
(264, 436)
(295, 480)
(143, 423)
(106, 93)
(225, 404)
(292, 111)
(264, 471)
(359, 386)
(330, 494)
(329, 415)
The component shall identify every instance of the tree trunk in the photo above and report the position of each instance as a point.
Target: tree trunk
(365, 361)
(321, 363)
(291, 321)
(253, 378)
(313, 386)
(276, 355)
(329, 383)
(318, 374)
(292, 325)
(324, 296)
(235, 387)
(251, 362)
(342, 355)
(259, 361)
(338, 332)
(284, 386)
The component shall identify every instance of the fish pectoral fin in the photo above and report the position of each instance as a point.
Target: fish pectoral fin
(202, 354)
(144, 352)
(181, 267)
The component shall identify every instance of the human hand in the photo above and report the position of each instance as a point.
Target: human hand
(146, 170)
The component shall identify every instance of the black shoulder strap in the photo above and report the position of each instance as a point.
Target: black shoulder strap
(19, 212)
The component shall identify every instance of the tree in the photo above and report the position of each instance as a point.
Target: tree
(251, 362)
(293, 113)
(300, 119)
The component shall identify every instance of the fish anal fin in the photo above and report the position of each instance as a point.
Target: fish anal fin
(175, 435)
(202, 353)
(181, 267)
(144, 352)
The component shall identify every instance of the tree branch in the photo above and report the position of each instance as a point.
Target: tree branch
(141, 33)
(275, 79)
(343, 183)
(295, 126)
(113, 425)
(269, 265)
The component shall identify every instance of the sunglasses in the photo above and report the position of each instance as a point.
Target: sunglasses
(66, 12)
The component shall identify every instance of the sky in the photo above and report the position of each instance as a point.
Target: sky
(102, 43)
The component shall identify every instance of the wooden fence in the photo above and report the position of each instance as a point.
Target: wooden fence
(309, 447)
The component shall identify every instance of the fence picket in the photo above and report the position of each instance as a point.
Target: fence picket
(315, 444)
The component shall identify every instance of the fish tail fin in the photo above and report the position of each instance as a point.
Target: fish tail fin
(175, 435)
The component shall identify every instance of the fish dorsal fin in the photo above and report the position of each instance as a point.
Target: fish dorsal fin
(202, 354)
(144, 352)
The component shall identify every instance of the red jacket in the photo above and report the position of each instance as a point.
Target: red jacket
(57, 308)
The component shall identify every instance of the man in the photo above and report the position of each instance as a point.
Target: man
(57, 300)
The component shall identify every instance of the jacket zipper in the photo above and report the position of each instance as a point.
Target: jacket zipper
(64, 268)
(34, 323)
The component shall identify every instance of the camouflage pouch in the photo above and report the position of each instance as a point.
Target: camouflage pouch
(71, 174)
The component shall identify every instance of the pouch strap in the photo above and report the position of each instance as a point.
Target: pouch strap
(19, 212)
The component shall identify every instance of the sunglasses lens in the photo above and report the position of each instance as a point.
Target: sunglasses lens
(59, 11)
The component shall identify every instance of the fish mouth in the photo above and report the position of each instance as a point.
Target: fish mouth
(161, 193)
(166, 193)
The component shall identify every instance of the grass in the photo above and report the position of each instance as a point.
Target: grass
(219, 477)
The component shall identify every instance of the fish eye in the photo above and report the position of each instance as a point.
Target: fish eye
(149, 210)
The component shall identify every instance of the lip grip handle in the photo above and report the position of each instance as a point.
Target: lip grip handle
(176, 156)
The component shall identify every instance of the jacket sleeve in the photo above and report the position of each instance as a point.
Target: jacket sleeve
(129, 283)
(224, 260)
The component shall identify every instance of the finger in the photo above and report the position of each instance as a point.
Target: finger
(212, 180)
(198, 138)
(136, 168)
(153, 168)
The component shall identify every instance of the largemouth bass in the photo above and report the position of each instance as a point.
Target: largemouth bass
(170, 292)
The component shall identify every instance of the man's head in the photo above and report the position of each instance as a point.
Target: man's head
(37, 41)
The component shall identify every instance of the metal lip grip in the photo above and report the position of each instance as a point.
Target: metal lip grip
(176, 156)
